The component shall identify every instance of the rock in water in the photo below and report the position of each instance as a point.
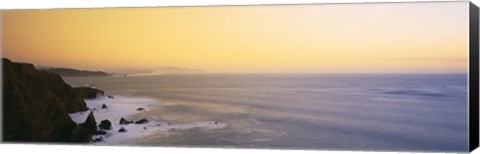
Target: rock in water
(105, 124)
(98, 139)
(122, 130)
(140, 109)
(85, 131)
(110, 96)
(124, 122)
(104, 106)
(142, 121)
(90, 124)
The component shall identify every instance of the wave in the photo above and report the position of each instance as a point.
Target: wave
(118, 107)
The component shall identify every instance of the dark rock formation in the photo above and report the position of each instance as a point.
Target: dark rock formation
(140, 109)
(124, 122)
(110, 96)
(104, 106)
(122, 130)
(88, 92)
(36, 106)
(142, 121)
(86, 130)
(105, 124)
(90, 124)
(100, 132)
(100, 139)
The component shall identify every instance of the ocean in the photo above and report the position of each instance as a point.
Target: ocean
(379, 112)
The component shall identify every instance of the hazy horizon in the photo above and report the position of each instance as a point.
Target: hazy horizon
(146, 71)
(372, 38)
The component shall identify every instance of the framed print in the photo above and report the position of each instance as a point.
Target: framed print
(349, 77)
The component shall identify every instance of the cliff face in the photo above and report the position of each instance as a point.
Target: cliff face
(36, 106)
(88, 92)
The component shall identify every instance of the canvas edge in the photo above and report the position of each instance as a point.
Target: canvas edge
(1, 74)
(473, 77)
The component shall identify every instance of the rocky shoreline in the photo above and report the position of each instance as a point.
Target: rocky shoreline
(39, 106)
(37, 103)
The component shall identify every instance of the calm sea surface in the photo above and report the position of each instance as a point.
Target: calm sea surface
(304, 111)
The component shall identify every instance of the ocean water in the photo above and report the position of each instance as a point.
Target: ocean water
(303, 111)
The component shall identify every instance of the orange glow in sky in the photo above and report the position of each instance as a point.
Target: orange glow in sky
(328, 38)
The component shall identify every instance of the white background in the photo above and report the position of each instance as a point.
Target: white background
(74, 149)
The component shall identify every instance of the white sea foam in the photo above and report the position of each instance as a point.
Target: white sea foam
(120, 106)
(79, 117)
(135, 131)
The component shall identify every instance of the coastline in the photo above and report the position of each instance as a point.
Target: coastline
(36, 106)
(120, 107)
(76, 114)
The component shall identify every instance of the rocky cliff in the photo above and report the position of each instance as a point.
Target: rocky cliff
(36, 106)
(88, 92)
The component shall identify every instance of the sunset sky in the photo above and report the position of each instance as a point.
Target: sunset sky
(328, 38)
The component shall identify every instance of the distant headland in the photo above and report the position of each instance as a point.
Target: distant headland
(73, 72)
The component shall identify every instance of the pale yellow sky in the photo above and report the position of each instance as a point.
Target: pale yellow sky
(328, 38)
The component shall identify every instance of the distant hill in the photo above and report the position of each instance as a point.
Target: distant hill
(73, 72)
(156, 71)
